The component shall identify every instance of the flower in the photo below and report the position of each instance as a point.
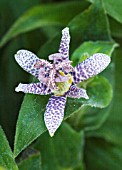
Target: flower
(58, 78)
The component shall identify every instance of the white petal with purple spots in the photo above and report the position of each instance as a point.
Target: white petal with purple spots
(90, 67)
(34, 88)
(54, 113)
(27, 60)
(76, 92)
(64, 44)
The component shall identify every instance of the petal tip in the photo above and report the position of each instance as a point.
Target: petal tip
(65, 29)
(86, 97)
(15, 56)
(51, 130)
(104, 58)
(18, 53)
(18, 88)
(107, 58)
(21, 51)
(51, 134)
(84, 94)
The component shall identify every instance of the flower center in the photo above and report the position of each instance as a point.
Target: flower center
(55, 76)
(64, 84)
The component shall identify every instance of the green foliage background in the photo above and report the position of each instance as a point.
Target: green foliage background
(90, 136)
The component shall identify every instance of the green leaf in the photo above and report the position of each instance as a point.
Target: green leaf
(63, 151)
(44, 15)
(102, 155)
(93, 24)
(88, 118)
(89, 48)
(99, 92)
(112, 128)
(113, 8)
(30, 122)
(116, 28)
(32, 162)
(6, 156)
(5, 10)
(33, 106)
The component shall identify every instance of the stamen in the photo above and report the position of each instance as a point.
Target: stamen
(63, 82)
(65, 66)
(43, 63)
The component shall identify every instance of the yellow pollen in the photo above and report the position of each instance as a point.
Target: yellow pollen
(63, 87)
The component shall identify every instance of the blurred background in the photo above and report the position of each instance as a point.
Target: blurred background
(11, 74)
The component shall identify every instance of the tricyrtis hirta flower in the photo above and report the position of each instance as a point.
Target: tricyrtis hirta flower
(58, 78)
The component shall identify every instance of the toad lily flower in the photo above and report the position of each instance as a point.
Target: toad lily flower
(58, 78)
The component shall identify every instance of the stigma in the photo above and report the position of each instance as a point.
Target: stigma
(63, 82)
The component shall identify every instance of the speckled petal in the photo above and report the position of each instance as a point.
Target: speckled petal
(56, 57)
(64, 44)
(27, 60)
(90, 67)
(76, 92)
(54, 113)
(34, 88)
